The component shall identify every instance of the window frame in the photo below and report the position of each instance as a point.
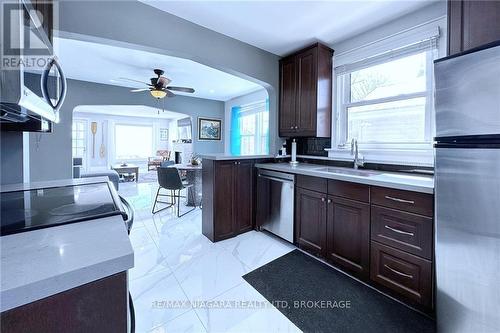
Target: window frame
(342, 94)
(255, 109)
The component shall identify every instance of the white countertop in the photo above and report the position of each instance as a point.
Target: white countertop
(222, 156)
(397, 180)
(40, 263)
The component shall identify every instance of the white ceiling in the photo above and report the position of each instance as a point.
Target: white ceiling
(129, 111)
(102, 63)
(284, 26)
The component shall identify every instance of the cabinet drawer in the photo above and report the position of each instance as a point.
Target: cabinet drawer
(349, 190)
(312, 183)
(406, 274)
(414, 202)
(405, 231)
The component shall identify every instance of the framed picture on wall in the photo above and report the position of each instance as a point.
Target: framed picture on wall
(163, 134)
(209, 129)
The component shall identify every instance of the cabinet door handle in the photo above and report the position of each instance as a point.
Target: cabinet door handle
(291, 127)
(398, 272)
(400, 231)
(329, 201)
(411, 202)
(296, 127)
(323, 199)
(235, 163)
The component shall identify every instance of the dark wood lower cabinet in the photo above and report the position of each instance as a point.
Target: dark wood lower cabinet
(404, 231)
(381, 235)
(310, 221)
(243, 204)
(227, 198)
(224, 200)
(404, 273)
(99, 306)
(348, 235)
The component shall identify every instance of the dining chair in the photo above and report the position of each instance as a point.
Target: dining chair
(169, 179)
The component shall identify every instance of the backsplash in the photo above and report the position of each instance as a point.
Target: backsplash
(310, 146)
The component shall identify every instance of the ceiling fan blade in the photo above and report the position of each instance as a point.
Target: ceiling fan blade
(132, 80)
(164, 81)
(138, 90)
(169, 93)
(181, 89)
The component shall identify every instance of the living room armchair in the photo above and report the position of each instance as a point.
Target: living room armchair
(155, 161)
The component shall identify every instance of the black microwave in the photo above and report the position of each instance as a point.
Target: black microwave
(32, 83)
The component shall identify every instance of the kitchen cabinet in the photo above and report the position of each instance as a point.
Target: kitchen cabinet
(348, 235)
(402, 230)
(406, 274)
(401, 246)
(98, 306)
(306, 93)
(472, 23)
(381, 235)
(243, 205)
(334, 227)
(310, 226)
(288, 88)
(227, 198)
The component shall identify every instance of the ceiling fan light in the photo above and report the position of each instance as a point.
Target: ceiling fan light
(158, 93)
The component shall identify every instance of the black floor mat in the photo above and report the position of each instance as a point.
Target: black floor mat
(297, 277)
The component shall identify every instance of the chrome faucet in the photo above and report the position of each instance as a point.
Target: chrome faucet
(358, 161)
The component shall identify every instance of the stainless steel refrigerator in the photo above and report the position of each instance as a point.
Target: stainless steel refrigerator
(467, 193)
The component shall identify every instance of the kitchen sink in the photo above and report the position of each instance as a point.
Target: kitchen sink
(346, 171)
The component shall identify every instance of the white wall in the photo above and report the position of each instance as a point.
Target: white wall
(423, 15)
(109, 121)
(256, 96)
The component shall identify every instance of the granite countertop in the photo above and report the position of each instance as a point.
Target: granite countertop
(40, 263)
(396, 180)
(222, 156)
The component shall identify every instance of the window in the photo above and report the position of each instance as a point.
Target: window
(79, 138)
(133, 142)
(250, 129)
(184, 129)
(386, 102)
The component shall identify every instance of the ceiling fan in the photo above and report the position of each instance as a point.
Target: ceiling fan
(159, 88)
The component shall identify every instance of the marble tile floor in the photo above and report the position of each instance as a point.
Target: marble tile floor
(182, 282)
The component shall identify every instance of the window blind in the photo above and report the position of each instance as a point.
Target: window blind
(393, 54)
(254, 107)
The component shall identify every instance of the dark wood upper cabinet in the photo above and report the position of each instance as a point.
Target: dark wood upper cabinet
(305, 120)
(288, 88)
(306, 93)
(310, 219)
(227, 198)
(472, 23)
(348, 235)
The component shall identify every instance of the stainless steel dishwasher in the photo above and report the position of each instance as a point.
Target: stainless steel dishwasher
(275, 203)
